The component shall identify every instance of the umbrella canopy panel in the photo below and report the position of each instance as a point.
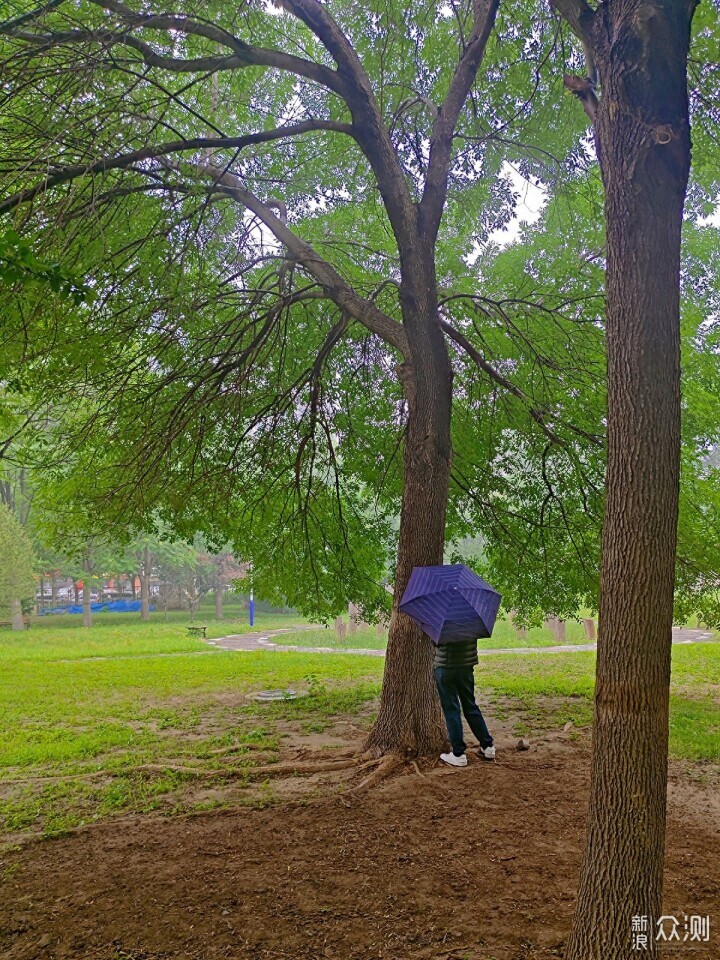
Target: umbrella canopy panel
(450, 603)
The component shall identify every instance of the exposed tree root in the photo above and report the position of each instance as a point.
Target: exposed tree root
(296, 769)
(273, 769)
(340, 754)
(385, 767)
(63, 776)
(304, 764)
(119, 771)
(369, 763)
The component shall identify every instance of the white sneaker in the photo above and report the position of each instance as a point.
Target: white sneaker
(487, 752)
(453, 760)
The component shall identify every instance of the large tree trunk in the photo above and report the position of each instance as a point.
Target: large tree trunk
(16, 615)
(642, 131)
(145, 585)
(409, 720)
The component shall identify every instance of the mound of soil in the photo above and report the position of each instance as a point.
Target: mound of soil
(473, 864)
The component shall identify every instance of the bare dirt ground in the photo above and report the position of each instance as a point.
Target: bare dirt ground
(473, 864)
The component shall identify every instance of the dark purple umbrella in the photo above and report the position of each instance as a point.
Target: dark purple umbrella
(450, 603)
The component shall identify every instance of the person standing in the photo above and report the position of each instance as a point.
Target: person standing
(455, 681)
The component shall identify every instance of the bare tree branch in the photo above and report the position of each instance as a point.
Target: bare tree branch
(9, 25)
(66, 174)
(475, 355)
(337, 290)
(435, 192)
(247, 54)
(579, 16)
(370, 130)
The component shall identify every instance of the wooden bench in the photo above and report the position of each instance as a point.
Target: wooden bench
(198, 631)
(26, 622)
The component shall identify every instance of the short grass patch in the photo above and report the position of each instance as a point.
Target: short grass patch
(84, 738)
(505, 636)
(63, 637)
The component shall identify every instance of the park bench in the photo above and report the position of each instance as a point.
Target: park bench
(26, 622)
(198, 631)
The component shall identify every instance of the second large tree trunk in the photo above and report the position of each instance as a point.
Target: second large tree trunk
(410, 720)
(642, 132)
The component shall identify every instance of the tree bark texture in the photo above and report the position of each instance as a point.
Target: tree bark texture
(409, 720)
(643, 139)
(16, 616)
(145, 584)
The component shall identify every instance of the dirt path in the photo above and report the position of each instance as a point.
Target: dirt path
(262, 641)
(473, 864)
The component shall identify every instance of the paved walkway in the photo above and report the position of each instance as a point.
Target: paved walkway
(262, 641)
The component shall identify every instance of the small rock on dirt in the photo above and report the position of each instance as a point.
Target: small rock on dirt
(568, 726)
(523, 744)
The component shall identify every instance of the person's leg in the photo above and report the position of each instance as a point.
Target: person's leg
(450, 703)
(465, 685)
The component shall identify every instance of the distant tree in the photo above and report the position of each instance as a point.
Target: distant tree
(17, 581)
(227, 569)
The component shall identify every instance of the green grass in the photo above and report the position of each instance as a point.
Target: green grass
(64, 713)
(504, 637)
(363, 638)
(694, 729)
(124, 634)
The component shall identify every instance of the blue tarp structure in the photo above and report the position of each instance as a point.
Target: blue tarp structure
(450, 603)
(112, 606)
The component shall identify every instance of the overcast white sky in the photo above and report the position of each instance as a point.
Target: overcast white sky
(529, 206)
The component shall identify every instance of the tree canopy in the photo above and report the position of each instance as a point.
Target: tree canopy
(235, 186)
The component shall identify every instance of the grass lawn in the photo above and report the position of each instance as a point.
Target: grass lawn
(504, 637)
(64, 714)
(123, 634)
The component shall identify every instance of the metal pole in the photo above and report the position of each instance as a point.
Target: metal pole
(252, 600)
